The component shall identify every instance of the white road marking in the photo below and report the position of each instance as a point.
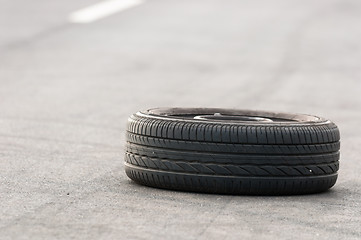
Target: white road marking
(102, 10)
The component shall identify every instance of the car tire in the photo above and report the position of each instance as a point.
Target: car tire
(229, 151)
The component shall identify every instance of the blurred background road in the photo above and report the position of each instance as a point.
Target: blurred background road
(67, 88)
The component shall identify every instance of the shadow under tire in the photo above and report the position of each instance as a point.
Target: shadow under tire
(231, 151)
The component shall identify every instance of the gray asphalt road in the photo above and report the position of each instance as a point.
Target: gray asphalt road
(66, 91)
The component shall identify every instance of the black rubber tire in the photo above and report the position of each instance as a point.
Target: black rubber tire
(232, 151)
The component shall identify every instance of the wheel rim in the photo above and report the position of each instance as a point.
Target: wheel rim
(232, 116)
(223, 117)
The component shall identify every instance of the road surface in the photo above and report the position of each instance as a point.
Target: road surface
(67, 88)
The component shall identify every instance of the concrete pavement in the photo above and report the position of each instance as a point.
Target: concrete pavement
(67, 89)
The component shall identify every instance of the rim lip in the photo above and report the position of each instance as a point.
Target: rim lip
(171, 114)
(232, 118)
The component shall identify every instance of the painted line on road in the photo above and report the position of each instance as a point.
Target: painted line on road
(102, 10)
